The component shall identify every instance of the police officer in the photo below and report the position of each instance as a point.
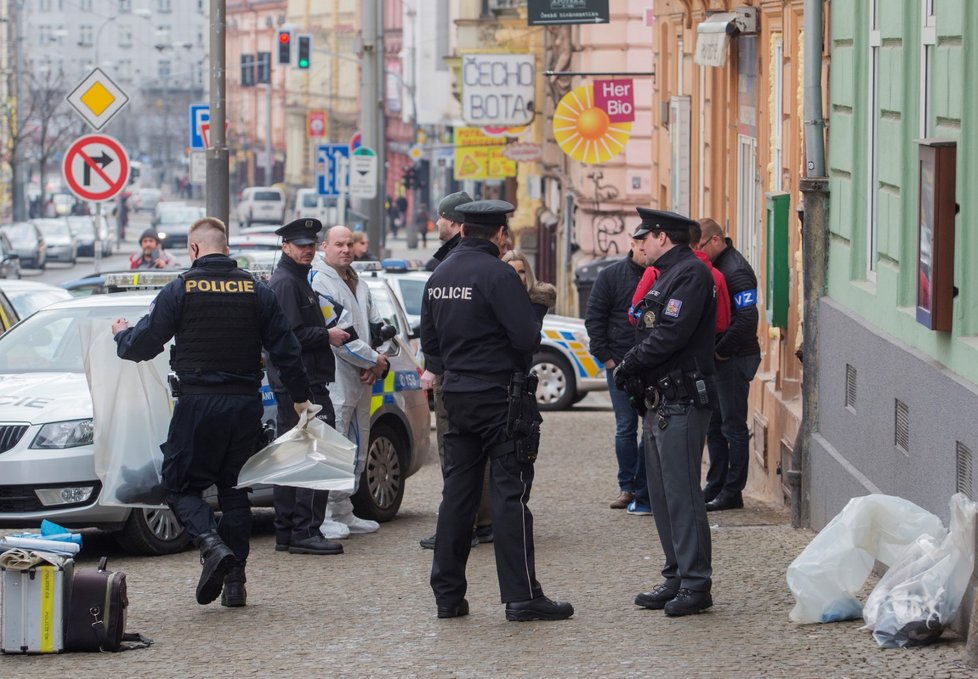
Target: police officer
(675, 359)
(221, 317)
(478, 330)
(299, 512)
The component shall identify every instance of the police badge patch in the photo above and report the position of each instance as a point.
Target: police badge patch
(672, 308)
(648, 319)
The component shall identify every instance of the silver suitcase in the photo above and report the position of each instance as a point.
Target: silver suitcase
(34, 605)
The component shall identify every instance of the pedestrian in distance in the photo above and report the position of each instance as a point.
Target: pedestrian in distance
(422, 222)
(611, 337)
(479, 329)
(738, 355)
(151, 254)
(361, 248)
(220, 318)
(449, 233)
(299, 512)
(344, 300)
(668, 376)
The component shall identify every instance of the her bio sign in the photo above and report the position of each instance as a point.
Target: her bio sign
(617, 98)
(497, 89)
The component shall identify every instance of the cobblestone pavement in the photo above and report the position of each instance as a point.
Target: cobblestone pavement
(371, 612)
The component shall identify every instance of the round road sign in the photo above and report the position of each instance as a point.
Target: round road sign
(96, 168)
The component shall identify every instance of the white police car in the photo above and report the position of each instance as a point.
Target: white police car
(566, 369)
(47, 465)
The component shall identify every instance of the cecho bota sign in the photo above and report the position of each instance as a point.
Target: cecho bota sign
(497, 89)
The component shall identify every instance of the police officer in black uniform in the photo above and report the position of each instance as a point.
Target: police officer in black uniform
(221, 318)
(299, 512)
(479, 330)
(670, 372)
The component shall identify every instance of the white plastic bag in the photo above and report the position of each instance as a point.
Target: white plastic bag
(833, 567)
(131, 406)
(311, 455)
(920, 593)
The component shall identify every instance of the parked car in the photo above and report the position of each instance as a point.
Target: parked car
(63, 204)
(261, 204)
(29, 296)
(173, 222)
(9, 259)
(256, 250)
(84, 229)
(144, 199)
(565, 368)
(61, 243)
(28, 243)
(47, 466)
(308, 203)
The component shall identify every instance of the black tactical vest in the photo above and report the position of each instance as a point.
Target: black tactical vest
(219, 324)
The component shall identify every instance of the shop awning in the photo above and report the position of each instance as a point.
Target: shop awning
(712, 38)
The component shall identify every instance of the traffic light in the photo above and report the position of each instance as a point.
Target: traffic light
(303, 50)
(410, 178)
(284, 47)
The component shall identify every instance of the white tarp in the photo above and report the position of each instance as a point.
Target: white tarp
(131, 407)
(712, 38)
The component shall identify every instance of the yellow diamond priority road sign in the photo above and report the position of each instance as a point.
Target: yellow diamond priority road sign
(97, 99)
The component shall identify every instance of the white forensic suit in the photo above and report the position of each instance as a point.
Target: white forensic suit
(350, 397)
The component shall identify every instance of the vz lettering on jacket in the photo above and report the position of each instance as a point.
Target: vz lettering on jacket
(745, 298)
(204, 285)
(450, 292)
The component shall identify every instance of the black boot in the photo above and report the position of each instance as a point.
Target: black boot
(216, 560)
(234, 593)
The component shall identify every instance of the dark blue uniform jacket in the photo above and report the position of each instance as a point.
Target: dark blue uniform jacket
(478, 325)
(606, 319)
(147, 338)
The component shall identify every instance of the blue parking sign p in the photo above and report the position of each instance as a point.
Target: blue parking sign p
(199, 113)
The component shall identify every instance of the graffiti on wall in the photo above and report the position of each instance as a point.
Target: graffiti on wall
(606, 226)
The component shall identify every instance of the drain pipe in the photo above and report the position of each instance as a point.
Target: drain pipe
(814, 188)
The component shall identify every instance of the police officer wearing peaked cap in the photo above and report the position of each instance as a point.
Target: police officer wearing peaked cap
(675, 359)
(220, 318)
(299, 512)
(478, 328)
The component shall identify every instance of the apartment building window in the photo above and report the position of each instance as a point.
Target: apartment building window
(125, 36)
(875, 43)
(45, 5)
(125, 6)
(86, 5)
(44, 34)
(164, 34)
(123, 70)
(163, 69)
(85, 35)
(928, 42)
(164, 6)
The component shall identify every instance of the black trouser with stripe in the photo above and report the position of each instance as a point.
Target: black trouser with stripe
(476, 424)
(299, 512)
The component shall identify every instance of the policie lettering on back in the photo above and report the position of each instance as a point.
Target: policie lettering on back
(450, 292)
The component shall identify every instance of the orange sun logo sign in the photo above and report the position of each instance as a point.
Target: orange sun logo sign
(584, 131)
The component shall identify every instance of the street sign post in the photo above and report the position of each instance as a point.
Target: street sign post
(332, 162)
(95, 168)
(97, 99)
(556, 12)
(363, 174)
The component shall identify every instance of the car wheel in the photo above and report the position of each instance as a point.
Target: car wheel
(152, 532)
(555, 385)
(382, 484)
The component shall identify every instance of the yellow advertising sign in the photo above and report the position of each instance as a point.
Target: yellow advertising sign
(482, 162)
(474, 136)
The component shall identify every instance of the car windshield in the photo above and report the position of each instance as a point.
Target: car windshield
(310, 200)
(412, 293)
(20, 233)
(268, 196)
(50, 340)
(186, 216)
(83, 227)
(54, 228)
(382, 302)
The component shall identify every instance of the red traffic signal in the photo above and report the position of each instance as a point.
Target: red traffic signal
(284, 47)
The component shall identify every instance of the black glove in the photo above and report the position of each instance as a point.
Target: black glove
(620, 375)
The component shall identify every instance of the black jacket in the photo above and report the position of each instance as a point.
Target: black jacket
(443, 252)
(300, 306)
(606, 319)
(477, 322)
(147, 338)
(740, 338)
(678, 319)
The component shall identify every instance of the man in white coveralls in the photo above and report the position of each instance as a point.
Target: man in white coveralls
(345, 299)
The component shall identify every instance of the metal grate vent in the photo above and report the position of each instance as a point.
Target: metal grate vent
(964, 463)
(850, 387)
(901, 426)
